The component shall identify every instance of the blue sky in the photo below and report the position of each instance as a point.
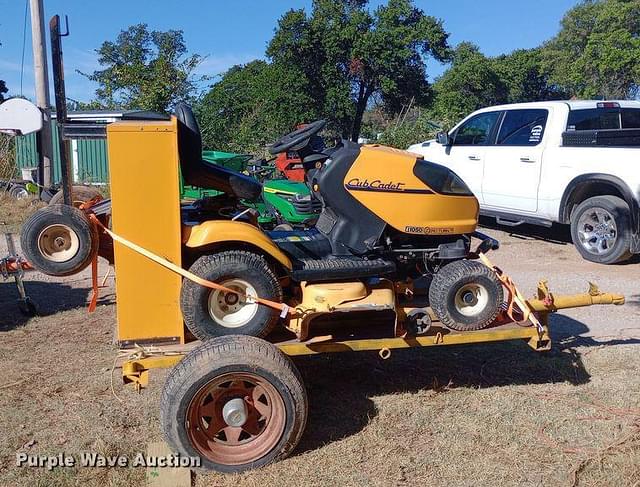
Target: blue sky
(229, 32)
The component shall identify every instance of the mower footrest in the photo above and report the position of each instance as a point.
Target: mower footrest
(339, 268)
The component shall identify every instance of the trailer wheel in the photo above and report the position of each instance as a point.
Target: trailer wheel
(210, 313)
(237, 402)
(79, 195)
(59, 240)
(466, 295)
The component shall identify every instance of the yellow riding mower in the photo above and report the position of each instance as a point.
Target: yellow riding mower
(388, 218)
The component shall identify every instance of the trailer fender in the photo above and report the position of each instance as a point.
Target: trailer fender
(217, 232)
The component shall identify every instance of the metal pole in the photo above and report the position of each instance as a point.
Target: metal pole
(61, 104)
(45, 164)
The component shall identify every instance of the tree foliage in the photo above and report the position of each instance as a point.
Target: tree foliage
(3, 90)
(470, 83)
(475, 81)
(597, 50)
(143, 69)
(253, 105)
(349, 56)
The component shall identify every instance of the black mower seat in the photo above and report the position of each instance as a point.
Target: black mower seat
(340, 268)
(200, 173)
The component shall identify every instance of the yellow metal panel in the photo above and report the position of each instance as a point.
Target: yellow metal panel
(221, 231)
(143, 166)
(425, 214)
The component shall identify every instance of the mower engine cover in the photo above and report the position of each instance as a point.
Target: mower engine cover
(410, 194)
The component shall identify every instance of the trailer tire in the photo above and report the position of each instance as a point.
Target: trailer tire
(466, 295)
(209, 313)
(616, 222)
(234, 368)
(59, 240)
(79, 195)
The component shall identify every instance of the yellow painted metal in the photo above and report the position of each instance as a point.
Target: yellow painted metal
(145, 192)
(225, 231)
(576, 301)
(441, 338)
(136, 371)
(339, 297)
(431, 214)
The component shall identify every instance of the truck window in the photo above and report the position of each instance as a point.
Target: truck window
(631, 118)
(523, 127)
(477, 130)
(594, 119)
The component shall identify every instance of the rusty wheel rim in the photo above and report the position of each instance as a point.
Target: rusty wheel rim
(222, 443)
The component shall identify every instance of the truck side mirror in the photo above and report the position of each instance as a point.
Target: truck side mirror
(444, 138)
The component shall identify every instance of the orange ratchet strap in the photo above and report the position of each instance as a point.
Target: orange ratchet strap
(283, 308)
(516, 299)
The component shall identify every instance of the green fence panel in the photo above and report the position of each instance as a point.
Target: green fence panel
(92, 157)
(92, 161)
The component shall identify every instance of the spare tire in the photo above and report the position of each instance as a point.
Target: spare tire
(59, 240)
(79, 195)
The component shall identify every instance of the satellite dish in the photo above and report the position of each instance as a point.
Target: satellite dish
(19, 117)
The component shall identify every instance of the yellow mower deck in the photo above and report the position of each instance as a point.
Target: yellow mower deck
(137, 363)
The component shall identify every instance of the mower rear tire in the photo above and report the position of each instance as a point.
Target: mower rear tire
(209, 313)
(237, 402)
(466, 295)
(59, 240)
(79, 195)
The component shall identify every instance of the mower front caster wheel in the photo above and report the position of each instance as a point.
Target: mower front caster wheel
(209, 313)
(237, 402)
(466, 295)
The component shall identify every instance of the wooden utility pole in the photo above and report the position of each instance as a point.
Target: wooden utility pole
(40, 66)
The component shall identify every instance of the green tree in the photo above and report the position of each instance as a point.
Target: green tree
(472, 82)
(253, 105)
(143, 69)
(526, 77)
(349, 56)
(3, 90)
(597, 50)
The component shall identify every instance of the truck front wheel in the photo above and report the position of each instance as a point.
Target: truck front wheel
(601, 229)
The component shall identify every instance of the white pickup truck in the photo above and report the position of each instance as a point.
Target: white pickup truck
(573, 162)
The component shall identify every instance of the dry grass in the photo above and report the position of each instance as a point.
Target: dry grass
(476, 415)
(14, 212)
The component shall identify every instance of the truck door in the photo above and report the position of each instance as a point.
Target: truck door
(512, 166)
(466, 154)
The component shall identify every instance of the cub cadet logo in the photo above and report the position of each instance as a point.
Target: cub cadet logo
(429, 230)
(376, 185)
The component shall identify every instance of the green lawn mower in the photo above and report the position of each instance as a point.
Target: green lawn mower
(285, 204)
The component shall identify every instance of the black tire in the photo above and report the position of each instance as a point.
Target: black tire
(224, 267)
(453, 283)
(79, 195)
(220, 358)
(68, 253)
(615, 209)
